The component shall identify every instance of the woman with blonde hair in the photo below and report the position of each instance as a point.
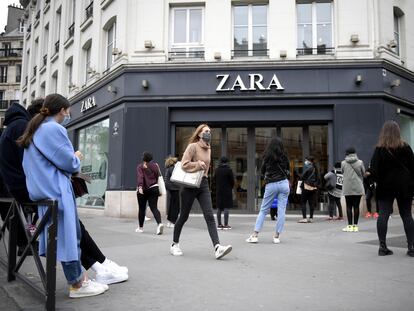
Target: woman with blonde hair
(392, 167)
(173, 192)
(197, 156)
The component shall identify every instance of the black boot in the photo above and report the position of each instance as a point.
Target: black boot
(384, 250)
(410, 251)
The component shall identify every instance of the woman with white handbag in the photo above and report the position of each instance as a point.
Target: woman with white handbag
(148, 191)
(196, 158)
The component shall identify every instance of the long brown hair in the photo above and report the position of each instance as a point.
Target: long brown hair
(390, 136)
(52, 105)
(194, 137)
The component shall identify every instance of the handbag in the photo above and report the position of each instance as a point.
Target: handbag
(77, 180)
(161, 184)
(299, 187)
(192, 180)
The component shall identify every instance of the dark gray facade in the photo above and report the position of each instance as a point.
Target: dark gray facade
(186, 94)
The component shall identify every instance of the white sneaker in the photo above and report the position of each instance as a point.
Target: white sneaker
(170, 225)
(139, 230)
(109, 277)
(252, 239)
(104, 286)
(175, 250)
(276, 240)
(222, 250)
(114, 267)
(160, 229)
(88, 288)
(147, 218)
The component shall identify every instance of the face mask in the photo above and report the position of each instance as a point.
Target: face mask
(66, 120)
(307, 162)
(206, 136)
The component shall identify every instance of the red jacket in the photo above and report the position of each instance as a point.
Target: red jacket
(147, 177)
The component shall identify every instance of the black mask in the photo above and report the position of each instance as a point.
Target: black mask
(206, 136)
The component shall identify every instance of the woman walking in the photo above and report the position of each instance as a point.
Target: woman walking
(147, 191)
(197, 156)
(48, 162)
(173, 191)
(275, 168)
(224, 193)
(353, 187)
(392, 167)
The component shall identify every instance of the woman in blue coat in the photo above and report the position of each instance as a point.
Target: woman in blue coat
(48, 162)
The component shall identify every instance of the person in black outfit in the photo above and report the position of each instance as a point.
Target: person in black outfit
(173, 193)
(11, 158)
(310, 182)
(370, 193)
(392, 167)
(224, 192)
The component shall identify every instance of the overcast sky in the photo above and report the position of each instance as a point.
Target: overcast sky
(3, 12)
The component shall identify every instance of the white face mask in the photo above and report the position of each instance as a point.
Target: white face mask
(66, 120)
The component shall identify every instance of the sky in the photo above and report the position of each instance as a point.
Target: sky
(3, 12)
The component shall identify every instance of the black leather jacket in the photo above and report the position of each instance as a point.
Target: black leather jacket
(274, 170)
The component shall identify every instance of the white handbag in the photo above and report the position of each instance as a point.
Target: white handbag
(182, 177)
(299, 187)
(161, 183)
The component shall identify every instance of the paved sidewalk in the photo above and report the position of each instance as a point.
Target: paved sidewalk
(316, 267)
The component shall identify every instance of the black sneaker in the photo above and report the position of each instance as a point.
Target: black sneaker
(220, 227)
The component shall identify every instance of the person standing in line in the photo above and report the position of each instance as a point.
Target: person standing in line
(392, 167)
(310, 182)
(224, 193)
(48, 161)
(335, 178)
(173, 193)
(148, 191)
(370, 193)
(353, 188)
(11, 158)
(197, 157)
(275, 168)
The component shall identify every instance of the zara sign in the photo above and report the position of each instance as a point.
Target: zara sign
(88, 104)
(255, 82)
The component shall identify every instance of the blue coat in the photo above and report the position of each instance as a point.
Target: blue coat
(45, 181)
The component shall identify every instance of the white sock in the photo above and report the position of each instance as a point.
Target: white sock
(99, 268)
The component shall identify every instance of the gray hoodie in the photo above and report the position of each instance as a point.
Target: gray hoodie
(353, 170)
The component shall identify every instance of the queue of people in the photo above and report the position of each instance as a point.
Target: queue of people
(37, 160)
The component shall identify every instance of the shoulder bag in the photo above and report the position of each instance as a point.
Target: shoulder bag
(192, 180)
(161, 184)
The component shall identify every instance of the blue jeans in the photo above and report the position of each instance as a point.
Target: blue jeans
(73, 269)
(281, 190)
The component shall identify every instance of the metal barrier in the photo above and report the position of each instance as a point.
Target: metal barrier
(14, 218)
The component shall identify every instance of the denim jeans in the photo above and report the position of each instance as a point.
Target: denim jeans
(73, 269)
(281, 190)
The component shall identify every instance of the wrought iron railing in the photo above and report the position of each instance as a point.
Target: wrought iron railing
(249, 53)
(44, 60)
(71, 30)
(185, 54)
(57, 43)
(321, 50)
(14, 52)
(4, 104)
(89, 10)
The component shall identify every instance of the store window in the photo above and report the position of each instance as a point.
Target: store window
(93, 143)
(250, 30)
(314, 27)
(187, 33)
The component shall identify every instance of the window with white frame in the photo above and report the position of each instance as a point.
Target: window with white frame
(3, 74)
(398, 15)
(88, 8)
(21, 25)
(45, 44)
(34, 55)
(54, 82)
(71, 19)
(187, 32)
(87, 57)
(314, 27)
(69, 71)
(110, 44)
(250, 30)
(57, 29)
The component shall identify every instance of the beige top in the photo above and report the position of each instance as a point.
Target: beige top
(195, 152)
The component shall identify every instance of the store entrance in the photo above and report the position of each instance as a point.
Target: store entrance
(244, 146)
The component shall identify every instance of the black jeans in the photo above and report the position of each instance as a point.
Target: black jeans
(352, 205)
(226, 216)
(273, 213)
(151, 196)
(332, 202)
(203, 195)
(308, 196)
(173, 205)
(385, 210)
(369, 194)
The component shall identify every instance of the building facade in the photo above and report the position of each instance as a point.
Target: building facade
(323, 75)
(11, 48)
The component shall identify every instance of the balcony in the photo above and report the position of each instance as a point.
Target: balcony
(16, 52)
(71, 31)
(249, 53)
(44, 60)
(57, 44)
(182, 54)
(34, 71)
(320, 50)
(29, 29)
(3, 79)
(89, 11)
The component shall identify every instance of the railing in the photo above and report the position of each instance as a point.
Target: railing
(89, 10)
(57, 46)
(185, 54)
(71, 30)
(249, 53)
(26, 79)
(37, 15)
(320, 50)
(18, 78)
(44, 60)
(3, 79)
(29, 28)
(15, 52)
(34, 71)
(4, 104)
(15, 217)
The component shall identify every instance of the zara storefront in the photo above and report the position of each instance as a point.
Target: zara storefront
(317, 108)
